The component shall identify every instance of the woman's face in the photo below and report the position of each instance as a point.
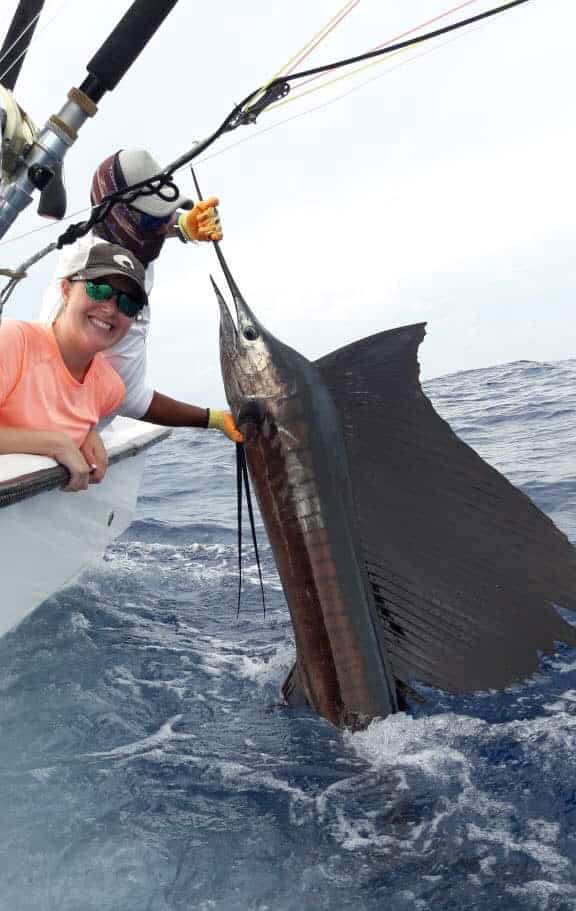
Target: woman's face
(94, 325)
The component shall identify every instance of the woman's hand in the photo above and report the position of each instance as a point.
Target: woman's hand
(67, 454)
(94, 452)
(58, 446)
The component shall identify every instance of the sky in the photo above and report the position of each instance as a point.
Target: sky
(437, 186)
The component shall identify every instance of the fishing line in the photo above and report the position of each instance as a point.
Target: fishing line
(297, 96)
(388, 49)
(410, 31)
(317, 39)
(15, 42)
(361, 69)
(34, 39)
(238, 116)
(245, 113)
(330, 101)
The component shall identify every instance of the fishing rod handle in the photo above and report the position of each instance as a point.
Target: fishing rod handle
(123, 45)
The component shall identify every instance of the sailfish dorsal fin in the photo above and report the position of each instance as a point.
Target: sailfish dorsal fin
(464, 568)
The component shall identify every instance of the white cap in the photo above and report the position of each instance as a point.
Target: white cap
(137, 165)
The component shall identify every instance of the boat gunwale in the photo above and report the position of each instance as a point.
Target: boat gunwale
(24, 486)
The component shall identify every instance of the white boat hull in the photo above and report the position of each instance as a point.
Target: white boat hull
(46, 538)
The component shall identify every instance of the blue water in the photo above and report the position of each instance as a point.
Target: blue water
(146, 763)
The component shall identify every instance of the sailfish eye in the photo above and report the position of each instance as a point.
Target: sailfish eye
(251, 333)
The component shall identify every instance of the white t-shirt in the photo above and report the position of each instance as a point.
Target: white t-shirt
(128, 356)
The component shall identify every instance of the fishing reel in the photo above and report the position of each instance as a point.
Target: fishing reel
(18, 136)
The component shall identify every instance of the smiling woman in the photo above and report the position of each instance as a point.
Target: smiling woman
(54, 384)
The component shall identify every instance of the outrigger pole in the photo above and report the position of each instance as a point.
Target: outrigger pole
(105, 70)
(17, 41)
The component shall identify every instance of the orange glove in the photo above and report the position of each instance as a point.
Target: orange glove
(202, 222)
(223, 420)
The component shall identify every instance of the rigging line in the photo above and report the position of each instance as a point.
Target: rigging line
(232, 120)
(52, 226)
(453, 9)
(418, 39)
(320, 37)
(411, 31)
(370, 65)
(202, 146)
(308, 47)
(34, 39)
(330, 101)
(18, 38)
(255, 135)
(303, 52)
(322, 85)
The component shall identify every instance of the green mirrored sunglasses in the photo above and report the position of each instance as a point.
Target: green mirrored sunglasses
(127, 304)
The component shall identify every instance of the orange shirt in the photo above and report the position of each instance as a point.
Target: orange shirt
(38, 393)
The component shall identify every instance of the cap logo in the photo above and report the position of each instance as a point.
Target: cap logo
(124, 261)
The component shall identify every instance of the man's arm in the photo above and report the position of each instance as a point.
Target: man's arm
(172, 413)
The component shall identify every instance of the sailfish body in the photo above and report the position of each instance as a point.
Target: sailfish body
(402, 554)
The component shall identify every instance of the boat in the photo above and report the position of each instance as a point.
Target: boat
(48, 536)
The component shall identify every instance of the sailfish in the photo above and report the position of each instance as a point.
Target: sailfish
(404, 557)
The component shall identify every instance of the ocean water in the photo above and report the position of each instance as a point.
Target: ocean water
(147, 763)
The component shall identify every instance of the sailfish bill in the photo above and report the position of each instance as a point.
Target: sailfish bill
(403, 555)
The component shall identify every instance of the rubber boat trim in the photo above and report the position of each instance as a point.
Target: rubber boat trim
(30, 485)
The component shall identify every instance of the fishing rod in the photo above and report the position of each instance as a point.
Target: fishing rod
(42, 161)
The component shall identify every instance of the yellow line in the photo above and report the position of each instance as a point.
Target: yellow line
(296, 58)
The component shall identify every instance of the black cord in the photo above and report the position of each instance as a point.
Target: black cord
(242, 480)
(252, 524)
(152, 186)
(239, 478)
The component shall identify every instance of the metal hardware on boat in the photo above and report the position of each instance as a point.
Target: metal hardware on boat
(105, 69)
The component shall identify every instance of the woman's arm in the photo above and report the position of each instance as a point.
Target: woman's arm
(55, 445)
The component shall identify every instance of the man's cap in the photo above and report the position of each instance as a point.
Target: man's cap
(107, 259)
(137, 165)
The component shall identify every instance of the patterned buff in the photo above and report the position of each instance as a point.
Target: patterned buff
(122, 224)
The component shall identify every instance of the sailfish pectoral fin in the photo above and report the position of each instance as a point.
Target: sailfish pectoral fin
(465, 571)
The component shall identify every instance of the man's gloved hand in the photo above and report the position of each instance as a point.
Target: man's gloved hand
(202, 222)
(223, 420)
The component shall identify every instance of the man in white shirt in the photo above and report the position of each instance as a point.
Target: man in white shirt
(142, 227)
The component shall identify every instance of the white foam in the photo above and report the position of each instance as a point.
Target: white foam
(146, 745)
(79, 620)
(540, 893)
(267, 669)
